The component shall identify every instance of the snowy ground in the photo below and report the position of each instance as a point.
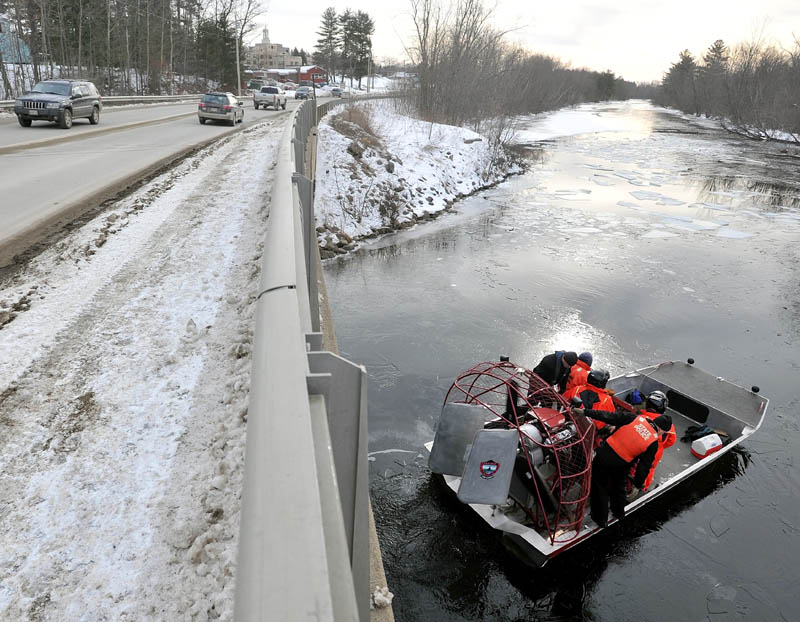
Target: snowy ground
(124, 375)
(378, 171)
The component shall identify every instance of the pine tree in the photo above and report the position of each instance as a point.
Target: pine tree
(329, 40)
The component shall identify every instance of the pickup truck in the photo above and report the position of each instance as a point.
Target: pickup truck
(268, 96)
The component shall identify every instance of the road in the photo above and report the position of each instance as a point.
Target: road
(51, 176)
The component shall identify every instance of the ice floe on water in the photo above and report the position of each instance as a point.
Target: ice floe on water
(659, 233)
(734, 233)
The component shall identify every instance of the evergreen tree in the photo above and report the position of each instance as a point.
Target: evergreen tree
(362, 48)
(329, 41)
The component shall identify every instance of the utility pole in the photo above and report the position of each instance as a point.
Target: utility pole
(238, 76)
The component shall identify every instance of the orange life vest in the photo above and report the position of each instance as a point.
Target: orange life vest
(605, 402)
(578, 374)
(631, 440)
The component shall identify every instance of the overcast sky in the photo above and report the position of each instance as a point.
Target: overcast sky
(637, 39)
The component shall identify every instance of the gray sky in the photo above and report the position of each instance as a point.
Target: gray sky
(637, 39)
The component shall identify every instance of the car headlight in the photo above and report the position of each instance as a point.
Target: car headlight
(54, 104)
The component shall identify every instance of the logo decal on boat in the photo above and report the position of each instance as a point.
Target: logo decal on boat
(489, 468)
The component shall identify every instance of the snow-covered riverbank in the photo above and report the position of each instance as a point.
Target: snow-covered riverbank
(379, 171)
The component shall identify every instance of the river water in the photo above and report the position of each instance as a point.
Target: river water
(642, 237)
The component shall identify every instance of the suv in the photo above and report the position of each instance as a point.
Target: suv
(220, 107)
(303, 92)
(59, 101)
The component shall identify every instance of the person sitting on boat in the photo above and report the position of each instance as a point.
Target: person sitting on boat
(634, 440)
(580, 371)
(594, 396)
(655, 404)
(554, 368)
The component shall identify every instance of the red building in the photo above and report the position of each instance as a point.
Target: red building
(314, 73)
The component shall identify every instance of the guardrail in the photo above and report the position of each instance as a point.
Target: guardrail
(121, 100)
(303, 542)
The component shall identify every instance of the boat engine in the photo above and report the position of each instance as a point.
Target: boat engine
(496, 413)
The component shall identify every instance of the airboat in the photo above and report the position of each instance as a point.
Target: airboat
(512, 448)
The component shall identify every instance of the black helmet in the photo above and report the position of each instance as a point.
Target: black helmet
(657, 401)
(598, 377)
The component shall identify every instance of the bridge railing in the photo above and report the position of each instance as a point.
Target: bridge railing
(303, 543)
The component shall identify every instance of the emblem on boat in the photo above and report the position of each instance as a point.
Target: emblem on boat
(489, 468)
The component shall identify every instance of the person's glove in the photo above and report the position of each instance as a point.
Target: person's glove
(578, 411)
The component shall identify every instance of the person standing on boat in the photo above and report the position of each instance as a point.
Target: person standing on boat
(635, 439)
(655, 405)
(579, 371)
(554, 368)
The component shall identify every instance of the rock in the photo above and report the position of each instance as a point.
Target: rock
(469, 141)
(390, 167)
(355, 150)
(6, 317)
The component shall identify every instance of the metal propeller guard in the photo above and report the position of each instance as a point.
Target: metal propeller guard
(555, 445)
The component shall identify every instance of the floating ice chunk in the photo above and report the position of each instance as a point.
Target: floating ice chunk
(628, 204)
(681, 224)
(733, 233)
(688, 289)
(646, 195)
(696, 205)
(670, 201)
(629, 175)
(672, 272)
(584, 230)
(603, 180)
(637, 182)
(658, 233)
(716, 206)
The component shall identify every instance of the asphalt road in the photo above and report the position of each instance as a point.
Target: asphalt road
(49, 176)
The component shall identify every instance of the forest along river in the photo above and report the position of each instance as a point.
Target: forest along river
(642, 237)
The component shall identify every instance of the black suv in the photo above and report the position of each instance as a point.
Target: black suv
(59, 101)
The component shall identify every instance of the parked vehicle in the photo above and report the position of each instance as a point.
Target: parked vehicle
(307, 83)
(273, 96)
(336, 92)
(288, 86)
(220, 107)
(304, 92)
(59, 101)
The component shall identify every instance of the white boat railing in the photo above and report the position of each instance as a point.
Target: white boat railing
(304, 532)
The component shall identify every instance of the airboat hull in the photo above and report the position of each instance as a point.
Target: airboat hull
(696, 398)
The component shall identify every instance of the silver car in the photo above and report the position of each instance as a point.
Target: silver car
(220, 107)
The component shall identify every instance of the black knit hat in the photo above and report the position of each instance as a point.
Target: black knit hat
(664, 422)
(570, 357)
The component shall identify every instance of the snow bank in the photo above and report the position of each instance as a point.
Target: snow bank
(379, 171)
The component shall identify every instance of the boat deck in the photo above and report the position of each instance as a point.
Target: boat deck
(679, 456)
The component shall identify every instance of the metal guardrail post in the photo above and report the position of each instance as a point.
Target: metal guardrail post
(305, 189)
(344, 386)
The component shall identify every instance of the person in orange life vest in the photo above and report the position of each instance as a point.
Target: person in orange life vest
(593, 396)
(579, 371)
(554, 368)
(634, 440)
(654, 405)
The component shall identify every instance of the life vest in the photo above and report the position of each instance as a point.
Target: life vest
(578, 374)
(593, 398)
(665, 439)
(631, 440)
